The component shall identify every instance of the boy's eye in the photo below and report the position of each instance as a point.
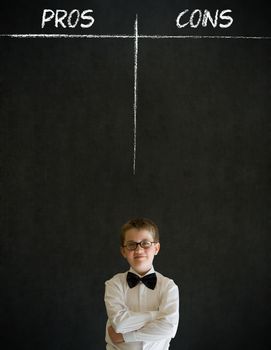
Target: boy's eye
(145, 244)
(131, 245)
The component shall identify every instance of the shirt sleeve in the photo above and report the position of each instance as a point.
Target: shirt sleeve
(120, 317)
(166, 322)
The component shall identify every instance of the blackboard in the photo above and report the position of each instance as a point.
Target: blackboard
(97, 130)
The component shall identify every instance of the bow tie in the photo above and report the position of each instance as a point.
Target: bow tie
(149, 280)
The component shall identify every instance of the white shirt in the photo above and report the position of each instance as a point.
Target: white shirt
(147, 318)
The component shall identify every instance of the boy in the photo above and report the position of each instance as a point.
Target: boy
(142, 305)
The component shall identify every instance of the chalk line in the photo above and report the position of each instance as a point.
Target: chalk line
(135, 91)
(142, 36)
(129, 36)
(67, 36)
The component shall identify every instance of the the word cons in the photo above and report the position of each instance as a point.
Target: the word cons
(61, 18)
(204, 18)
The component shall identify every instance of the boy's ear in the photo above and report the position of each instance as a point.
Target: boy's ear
(122, 251)
(157, 248)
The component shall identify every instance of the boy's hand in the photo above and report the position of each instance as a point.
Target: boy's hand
(115, 337)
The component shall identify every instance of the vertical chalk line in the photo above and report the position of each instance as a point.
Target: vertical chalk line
(135, 91)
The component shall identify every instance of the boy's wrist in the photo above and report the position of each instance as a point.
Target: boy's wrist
(115, 337)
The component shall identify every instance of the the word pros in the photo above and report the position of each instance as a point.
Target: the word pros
(201, 18)
(61, 18)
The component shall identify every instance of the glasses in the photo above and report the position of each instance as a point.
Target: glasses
(131, 245)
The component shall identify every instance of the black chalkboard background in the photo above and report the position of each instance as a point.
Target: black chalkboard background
(202, 170)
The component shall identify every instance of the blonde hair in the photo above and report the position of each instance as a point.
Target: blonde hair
(140, 223)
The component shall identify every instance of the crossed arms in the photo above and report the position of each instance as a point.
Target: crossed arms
(148, 326)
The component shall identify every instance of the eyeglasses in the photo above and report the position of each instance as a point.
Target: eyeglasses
(131, 245)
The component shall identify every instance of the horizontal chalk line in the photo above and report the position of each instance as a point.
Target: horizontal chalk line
(200, 37)
(124, 36)
(67, 36)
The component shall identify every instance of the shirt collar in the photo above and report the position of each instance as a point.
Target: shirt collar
(150, 271)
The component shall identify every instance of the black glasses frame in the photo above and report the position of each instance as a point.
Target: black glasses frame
(139, 243)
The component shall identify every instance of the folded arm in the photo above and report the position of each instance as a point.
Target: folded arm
(120, 317)
(166, 321)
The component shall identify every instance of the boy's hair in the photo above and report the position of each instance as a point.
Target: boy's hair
(140, 223)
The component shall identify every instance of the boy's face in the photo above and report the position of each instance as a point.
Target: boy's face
(140, 259)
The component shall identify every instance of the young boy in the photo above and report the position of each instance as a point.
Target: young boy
(142, 305)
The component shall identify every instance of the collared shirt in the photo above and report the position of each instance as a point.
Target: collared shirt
(147, 318)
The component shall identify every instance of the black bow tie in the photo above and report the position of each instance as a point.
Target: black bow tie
(149, 280)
